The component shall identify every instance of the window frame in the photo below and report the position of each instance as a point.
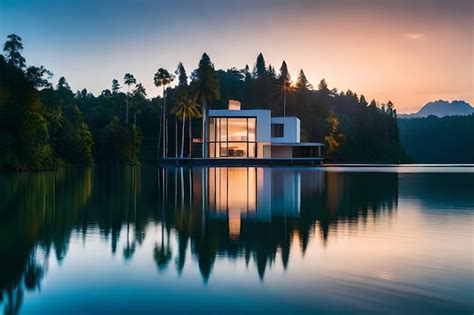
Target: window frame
(218, 136)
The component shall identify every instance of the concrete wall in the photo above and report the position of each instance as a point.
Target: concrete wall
(291, 129)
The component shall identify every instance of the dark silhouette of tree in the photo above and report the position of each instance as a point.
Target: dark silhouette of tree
(206, 87)
(323, 88)
(163, 78)
(62, 84)
(373, 105)
(284, 74)
(271, 72)
(181, 73)
(246, 73)
(260, 69)
(39, 76)
(129, 79)
(284, 84)
(186, 107)
(362, 101)
(139, 94)
(302, 83)
(115, 86)
(46, 117)
(12, 48)
(422, 139)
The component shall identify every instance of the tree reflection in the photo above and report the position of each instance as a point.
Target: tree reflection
(249, 214)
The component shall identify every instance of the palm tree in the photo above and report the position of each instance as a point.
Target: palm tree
(207, 89)
(186, 107)
(129, 79)
(163, 78)
(139, 95)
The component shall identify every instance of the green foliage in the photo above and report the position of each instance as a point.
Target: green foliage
(162, 78)
(129, 79)
(363, 134)
(335, 139)
(439, 140)
(62, 84)
(206, 88)
(36, 75)
(118, 144)
(205, 82)
(260, 69)
(182, 76)
(186, 106)
(70, 136)
(284, 74)
(35, 150)
(74, 142)
(302, 82)
(23, 129)
(12, 48)
(115, 86)
(40, 129)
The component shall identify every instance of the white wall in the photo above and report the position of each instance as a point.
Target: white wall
(291, 129)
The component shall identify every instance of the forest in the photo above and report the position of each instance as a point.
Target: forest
(439, 140)
(45, 125)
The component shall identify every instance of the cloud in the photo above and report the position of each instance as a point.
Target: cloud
(414, 35)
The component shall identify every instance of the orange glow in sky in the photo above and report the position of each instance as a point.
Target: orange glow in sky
(409, 52)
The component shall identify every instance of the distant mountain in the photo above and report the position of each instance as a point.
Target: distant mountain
(442, 108)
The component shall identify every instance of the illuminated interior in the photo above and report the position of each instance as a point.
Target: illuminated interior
(232, 137)
(233, 191)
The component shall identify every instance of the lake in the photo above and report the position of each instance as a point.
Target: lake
(231, 240)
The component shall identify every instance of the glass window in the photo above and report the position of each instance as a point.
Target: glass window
(212, 149)
(212, 129)
(232, 137)
(252, 129)
(277, 131)
(223, 129)
(237, 149)
(251, 150)
(223, 152)
(237, 129)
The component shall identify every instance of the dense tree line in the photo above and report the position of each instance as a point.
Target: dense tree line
(352, 128)
(439, 140)
(43, 126)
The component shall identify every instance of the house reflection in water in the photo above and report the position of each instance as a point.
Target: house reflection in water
(238, 194)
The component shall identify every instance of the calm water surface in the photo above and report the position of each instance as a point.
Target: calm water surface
(231, 240)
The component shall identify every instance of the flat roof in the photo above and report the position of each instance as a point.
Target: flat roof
(233, 112)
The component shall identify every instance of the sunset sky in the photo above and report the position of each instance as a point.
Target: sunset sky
(410, 52)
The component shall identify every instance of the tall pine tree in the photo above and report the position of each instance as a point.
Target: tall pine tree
(260, 68)
(182, 76)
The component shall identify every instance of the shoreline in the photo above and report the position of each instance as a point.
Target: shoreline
(251, 164)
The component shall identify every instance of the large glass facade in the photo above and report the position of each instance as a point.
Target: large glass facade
(232, 137)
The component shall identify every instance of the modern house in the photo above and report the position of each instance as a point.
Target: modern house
(255, 134)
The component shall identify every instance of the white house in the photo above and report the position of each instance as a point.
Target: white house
(254, 133)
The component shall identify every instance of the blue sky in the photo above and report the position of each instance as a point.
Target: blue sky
(408, 51)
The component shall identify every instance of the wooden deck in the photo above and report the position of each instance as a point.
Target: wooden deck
(172, 161)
